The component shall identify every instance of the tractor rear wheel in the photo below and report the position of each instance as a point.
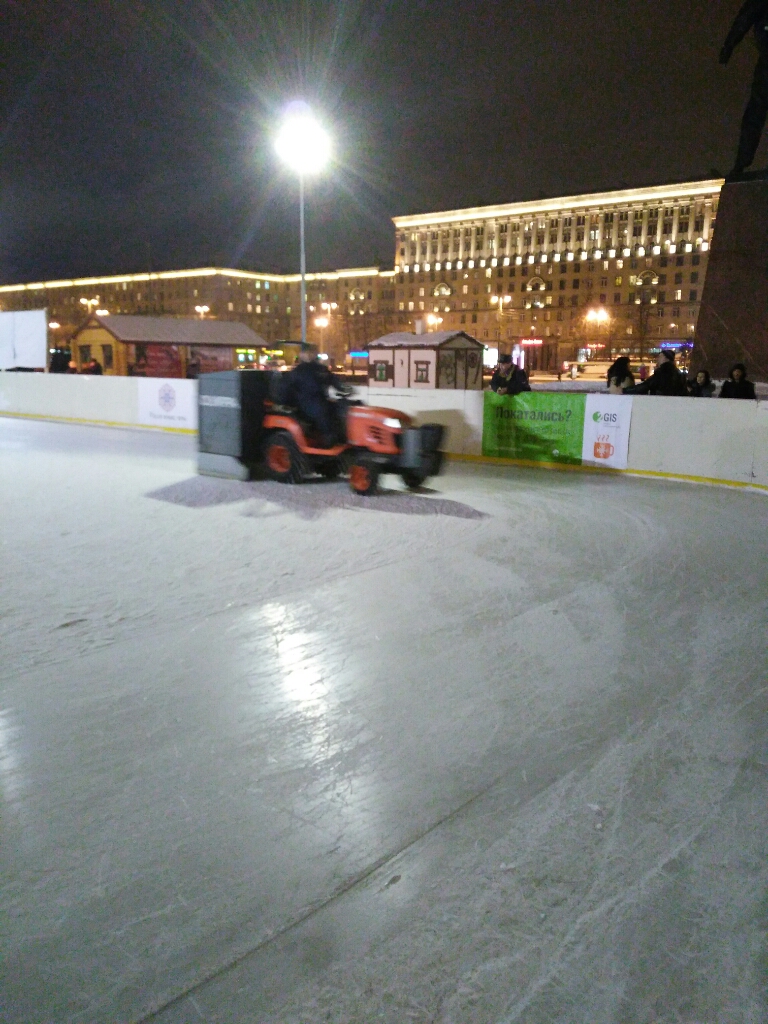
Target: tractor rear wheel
(363, 476)
(283, 458)
(412, 479)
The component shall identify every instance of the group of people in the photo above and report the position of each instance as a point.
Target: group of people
(667, 379)
(93, 366)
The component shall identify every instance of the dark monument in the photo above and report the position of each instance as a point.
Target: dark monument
(753, 15)
(733, 322)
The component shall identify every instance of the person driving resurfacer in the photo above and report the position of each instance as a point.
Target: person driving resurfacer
(308, 384)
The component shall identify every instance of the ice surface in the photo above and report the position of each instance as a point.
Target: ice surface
(491, 752)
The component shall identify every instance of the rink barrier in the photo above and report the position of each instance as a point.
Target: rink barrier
(126, 402)
(711, 442)
(485, 460)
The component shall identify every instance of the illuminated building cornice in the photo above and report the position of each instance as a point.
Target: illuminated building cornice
(170, 275)
(596, 200)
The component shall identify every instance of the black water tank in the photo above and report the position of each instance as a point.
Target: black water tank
(231, 413)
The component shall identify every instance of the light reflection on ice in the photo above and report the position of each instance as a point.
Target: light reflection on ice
(10, 772)
(296, 648)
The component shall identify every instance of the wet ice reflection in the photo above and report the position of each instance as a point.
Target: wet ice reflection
(10, 771)
(301, 671)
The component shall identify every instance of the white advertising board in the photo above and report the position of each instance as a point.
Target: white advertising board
(167, 402)
(24, 339)
(607, 419)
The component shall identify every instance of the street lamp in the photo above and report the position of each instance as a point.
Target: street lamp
(599, 316)
(305, 147)
(433, 320)
(90, 303)
(202, 310)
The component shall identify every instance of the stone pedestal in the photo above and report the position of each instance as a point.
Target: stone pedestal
(733, 321)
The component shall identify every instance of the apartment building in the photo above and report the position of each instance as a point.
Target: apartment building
(603, 273)
(346, 308)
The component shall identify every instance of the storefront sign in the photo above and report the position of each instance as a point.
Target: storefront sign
(167, 403)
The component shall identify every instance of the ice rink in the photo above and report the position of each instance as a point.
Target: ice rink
(492, 752)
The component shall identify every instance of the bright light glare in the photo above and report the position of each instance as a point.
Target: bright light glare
(303, 144)
(321, 321)
(598, 315)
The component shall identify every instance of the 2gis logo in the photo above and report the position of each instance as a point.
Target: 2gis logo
(605, 417)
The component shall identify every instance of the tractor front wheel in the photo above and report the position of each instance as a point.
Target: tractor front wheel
(364, 476)
(283, 459)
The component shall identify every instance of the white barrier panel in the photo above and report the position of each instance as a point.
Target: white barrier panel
(711, 439)
(760, 464)
(79, 398)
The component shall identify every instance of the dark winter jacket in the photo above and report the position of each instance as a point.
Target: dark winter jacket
(666, 380)
(516, 383)
(498, 380)
(737, 389)
(308, 383)
(697, 390)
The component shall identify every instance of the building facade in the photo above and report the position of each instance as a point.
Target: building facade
(346, 308)
(590, 275)
(581, 275)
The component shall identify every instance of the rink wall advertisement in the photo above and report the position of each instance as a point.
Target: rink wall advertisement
(169, 403)
(566, 429)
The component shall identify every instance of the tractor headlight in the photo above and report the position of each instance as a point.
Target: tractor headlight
(392, 423)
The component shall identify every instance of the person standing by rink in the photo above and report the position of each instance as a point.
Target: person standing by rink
(619, 376)
(737, 385)
(502, 374)
(702, 387)
(665, 380)
(509, 379)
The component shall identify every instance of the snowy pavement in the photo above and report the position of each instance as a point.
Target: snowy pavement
(492, 752)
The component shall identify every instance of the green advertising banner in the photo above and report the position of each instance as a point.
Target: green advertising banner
(537, 426)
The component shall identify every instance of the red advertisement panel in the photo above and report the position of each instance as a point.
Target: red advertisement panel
(163, 361)
(210, 358)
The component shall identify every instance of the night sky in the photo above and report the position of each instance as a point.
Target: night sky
(138, 135)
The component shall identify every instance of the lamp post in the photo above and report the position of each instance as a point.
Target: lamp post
(202, 310)
(90, 303)
(305, 147)
(500, 301)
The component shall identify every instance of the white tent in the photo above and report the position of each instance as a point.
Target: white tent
(23, 339)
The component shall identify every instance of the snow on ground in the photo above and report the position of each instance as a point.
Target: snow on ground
(491, 752)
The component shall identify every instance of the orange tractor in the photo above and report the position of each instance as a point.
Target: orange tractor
(244, 426)
(377, 441)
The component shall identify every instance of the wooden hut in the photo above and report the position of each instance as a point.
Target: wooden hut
(443, 359)
(162, 346)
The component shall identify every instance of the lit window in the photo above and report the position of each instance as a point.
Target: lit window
(231, 307)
